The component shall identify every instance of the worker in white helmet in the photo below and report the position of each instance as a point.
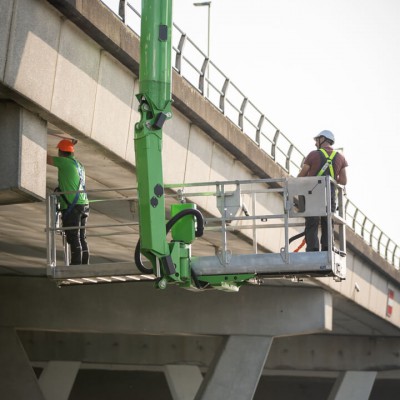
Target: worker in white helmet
(323, 161)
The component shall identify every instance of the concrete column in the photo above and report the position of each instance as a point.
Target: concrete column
(23, 137)
(183, 380)
(57, 379)
(354, 385)
(17, 378)
(237, 370)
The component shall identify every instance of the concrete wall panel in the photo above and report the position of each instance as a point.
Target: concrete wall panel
(10, 143)
(135, 116)
(6, 8)
(198, 162)
(22, 155)
(33, 154)
(76, 78)
(199, 157)
(175, 148)
(32, 52)
(112, 112)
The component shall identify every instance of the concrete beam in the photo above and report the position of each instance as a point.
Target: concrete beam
(183, 381)
(335, 353)
(17, 378)
(30, 303)
(23, 147)
(237, 369)
(122, 349)
(354, 385)
(57, 379)
(328, 353)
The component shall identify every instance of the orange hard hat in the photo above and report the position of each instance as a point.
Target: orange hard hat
(66, 145)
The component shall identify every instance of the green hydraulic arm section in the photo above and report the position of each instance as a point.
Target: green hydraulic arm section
(170, 261)
(155, 108)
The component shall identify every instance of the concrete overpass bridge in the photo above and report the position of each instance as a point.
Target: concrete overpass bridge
(70, 68)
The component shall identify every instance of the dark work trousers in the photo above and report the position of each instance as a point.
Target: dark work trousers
(311, 229)
(76, 238)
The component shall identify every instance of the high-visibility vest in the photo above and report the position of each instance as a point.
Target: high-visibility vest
(328, 163)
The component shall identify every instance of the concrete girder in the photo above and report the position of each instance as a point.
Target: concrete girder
(354, 385)
(17, 378)
(34, 303)
(237, 369)
(57, 379)
(183, 380)
(304, 354)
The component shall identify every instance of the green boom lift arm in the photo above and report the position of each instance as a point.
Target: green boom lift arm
(170, 262)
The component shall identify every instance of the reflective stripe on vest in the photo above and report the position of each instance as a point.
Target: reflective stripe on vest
(328, 163)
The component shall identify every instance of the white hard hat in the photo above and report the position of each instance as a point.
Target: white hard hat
(327, 134)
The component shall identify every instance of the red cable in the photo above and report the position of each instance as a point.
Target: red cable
(300, 246)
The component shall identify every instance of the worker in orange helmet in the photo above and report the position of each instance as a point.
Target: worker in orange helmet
(74, 206)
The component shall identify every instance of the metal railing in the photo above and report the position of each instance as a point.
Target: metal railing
(194, 65)
(121, 226)
(237, 215)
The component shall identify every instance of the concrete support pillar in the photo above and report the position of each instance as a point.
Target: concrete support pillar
(57, 379)
(354, 385)
(237, 370)
(183, 380)
(23, 138)
(17, 378)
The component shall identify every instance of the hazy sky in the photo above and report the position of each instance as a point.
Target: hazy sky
(318, 64)
(311, 65)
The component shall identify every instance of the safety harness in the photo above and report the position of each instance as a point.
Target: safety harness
(328, 163)
(81, 184)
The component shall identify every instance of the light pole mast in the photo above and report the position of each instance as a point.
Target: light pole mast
(207, 4)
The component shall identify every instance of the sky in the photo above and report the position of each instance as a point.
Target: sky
(318, 64)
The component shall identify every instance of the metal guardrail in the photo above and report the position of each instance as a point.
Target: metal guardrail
(194, 65)
(235, 210)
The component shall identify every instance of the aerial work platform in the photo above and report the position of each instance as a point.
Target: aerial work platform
(266, 213)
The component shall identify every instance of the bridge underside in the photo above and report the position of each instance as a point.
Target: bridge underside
(305, 339)
(114, 331)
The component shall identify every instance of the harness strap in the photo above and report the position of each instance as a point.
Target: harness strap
(81, 183)
(328, 163)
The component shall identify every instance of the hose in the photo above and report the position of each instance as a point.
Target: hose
(198, 233)
(298, 236)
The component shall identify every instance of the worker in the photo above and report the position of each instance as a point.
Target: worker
(74, 206)
(323, 161)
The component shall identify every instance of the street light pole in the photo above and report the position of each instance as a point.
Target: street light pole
(207, 4)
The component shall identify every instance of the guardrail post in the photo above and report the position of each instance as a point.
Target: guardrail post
(222, 96)
(179, 52)
(258, 131)
(371, 235)
(288, 156)
(379, 242)
(363, 226)
(353, 225)
(121, 9)
(275, 141)
(203, 74)
(387, 249)
(241, 112)
(394, 253)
